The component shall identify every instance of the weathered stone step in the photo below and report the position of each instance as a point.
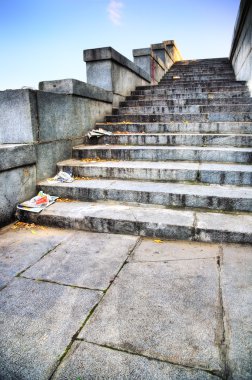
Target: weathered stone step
(170, 102)
(208, 61)
(181, 117)
(168, 78)
(229, 96)
(145, 221)
(185, 127)
(177, 139)
(194, 84)
(164, 153)
(167, 194)
(207, 172)
(192, 90)
(153, 109)
(199, 70)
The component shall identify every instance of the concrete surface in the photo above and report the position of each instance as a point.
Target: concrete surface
(16, 155)
(167, 310)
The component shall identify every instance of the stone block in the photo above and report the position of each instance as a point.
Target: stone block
(38, 321)
(108, 69)
(76, 87)
(18, 117)
(16, 155)
(152, 64)
(16, 186)
(86, 260)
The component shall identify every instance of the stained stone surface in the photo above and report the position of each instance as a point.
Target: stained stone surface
(161, 250)
(21, 248)
(237, 303)
(38, 321)
(87, 361)
(87, 259)
(165, 311)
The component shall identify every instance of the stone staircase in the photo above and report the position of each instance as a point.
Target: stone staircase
(177, 166)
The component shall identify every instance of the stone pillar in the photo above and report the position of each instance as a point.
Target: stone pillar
(149, 62)
(108, 69)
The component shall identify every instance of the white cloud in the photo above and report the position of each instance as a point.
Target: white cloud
(114, 11)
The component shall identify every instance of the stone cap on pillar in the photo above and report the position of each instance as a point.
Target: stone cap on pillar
(108, 53)
(170, 44)
(148, 51)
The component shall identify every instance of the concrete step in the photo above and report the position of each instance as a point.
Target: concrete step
(199, 70)
(164, 153)
(177, 139)
(197, 84)
(171, 171)
(228, 97)
(181, 117)
(214, 197)
(182, 102)
(192, 91)
(197, 78)
(192, 109)
(185, 127)
(145, 221)
(204, 61)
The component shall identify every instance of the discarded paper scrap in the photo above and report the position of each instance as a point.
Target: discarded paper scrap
(61, 177)
(98, 133)
(38, 203)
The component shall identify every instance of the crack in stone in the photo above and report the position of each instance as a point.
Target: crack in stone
(211, 372)
(223, 344)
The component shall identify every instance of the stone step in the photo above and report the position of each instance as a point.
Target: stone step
(192, 90)
(181, 117)
(192, 109)
(171, 171)
(230, 96)
(164, 153)
(185, 127)
(199, 70)
(145, 221)
(208, 61)
(170, 102)
(177, 139)
(168, 78)
(214, 197)
(194, 84)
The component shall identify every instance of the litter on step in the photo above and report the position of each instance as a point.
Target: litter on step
(98, 133)
(61, 177)
(38, 203)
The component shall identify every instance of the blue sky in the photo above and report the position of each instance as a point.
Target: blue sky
(44, 39)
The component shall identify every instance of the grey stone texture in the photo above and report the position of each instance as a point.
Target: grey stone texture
(18, 117)
(241, 50)
(86, 361)
(149, 62)
(108, 69)
(165, 311)
(86, 260)
(16, 186)
(38, 321)
(16, 155)
(76, 87)
(20, 248)
(236, 276)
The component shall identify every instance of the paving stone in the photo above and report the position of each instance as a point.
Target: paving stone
(88, 260)
(236, 277)
(161, 250)
(164, 311)
(21, 248)
(88, 361)
(38, 321)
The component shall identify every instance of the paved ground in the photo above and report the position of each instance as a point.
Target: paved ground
(78, 305)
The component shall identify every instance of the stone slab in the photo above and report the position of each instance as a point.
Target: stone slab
(151, 250)
(150, 309)
(108, 53)
(16, 155)
(88, 361)
(16, 185)
(236, 282)
(76, 87)
(18, 116)
(20, 248)
(87, 260)
(38, 321)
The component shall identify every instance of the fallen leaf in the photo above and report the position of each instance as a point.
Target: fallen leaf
(158, 241)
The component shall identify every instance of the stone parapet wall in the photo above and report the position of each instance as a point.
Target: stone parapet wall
(241, 50)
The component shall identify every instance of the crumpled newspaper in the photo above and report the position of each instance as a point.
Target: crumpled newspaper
(62, 177)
